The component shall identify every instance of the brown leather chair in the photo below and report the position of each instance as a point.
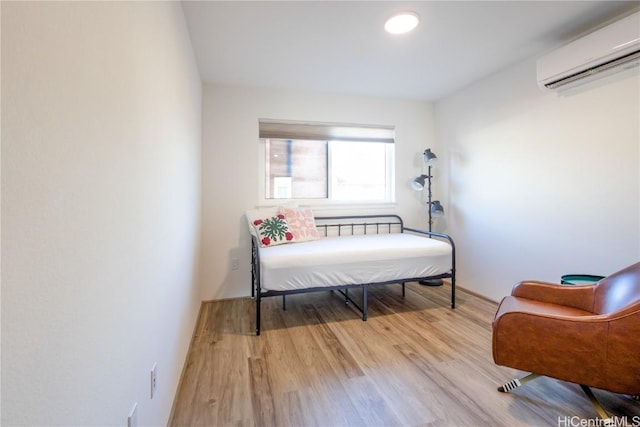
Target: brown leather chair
(588, 334)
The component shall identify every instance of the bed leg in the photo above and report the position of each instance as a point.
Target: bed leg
(364, 303)
(284, 303)
(258, 303)
(453, 292)
(403, 290)
(346, 296)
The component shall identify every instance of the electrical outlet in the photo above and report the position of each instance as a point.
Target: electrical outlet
(132, 420)
(235, 263)
(154, 379)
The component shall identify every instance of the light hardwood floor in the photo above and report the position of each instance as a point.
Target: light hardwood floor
(415, 362)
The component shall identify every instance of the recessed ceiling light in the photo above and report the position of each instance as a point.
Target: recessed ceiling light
(401, 23)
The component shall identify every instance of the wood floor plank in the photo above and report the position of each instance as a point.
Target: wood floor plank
(370, 404)
(335, 352)
(261, 393)
(414, 362)
(293, 410)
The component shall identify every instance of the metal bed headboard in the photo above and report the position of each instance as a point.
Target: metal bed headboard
(359, 224)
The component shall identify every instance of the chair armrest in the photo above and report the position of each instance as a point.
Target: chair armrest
(580, 297)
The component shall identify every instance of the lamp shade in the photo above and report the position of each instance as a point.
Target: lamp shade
(418, 183)
(429, 157)
(436, 209)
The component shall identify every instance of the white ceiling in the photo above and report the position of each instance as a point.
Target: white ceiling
(341, 46)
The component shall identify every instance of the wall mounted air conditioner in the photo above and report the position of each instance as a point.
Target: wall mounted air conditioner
(610, 49)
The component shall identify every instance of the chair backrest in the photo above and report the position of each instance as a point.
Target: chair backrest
(618, 290)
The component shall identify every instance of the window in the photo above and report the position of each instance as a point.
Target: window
(324, 163)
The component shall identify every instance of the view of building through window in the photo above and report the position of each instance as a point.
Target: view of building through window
(296, 169)
(333, 170)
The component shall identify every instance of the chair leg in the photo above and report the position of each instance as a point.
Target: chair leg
(598, 407)
(515, 383)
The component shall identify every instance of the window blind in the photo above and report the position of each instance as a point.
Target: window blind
(316, 131)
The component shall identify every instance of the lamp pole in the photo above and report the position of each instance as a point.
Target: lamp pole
(432, 282)
(418, 184)
(429, 197)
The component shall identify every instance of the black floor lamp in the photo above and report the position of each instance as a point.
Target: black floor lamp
(434, 208)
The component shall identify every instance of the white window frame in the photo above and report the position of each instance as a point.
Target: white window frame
(327, 202)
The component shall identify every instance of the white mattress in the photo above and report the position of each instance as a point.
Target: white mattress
(348, 260)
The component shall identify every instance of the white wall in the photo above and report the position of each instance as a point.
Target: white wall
(230, 165)
(541, 185)
(101, 110)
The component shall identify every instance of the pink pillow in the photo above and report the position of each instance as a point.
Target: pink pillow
(272, 231)
(301, 223)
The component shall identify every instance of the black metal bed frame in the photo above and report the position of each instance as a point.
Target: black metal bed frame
(334, 226)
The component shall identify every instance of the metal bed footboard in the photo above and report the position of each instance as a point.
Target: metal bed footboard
(349, 225)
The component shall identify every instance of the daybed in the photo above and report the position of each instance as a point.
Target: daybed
(349, 252)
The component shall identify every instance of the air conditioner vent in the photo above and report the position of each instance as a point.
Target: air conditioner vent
(632, 59)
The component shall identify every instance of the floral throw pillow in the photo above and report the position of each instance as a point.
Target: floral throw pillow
(273, 231)
(301, 223)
